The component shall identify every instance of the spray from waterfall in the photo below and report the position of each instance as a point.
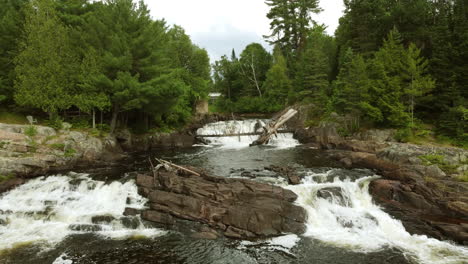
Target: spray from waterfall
(285, 140)
(341, 212)
(46, 210)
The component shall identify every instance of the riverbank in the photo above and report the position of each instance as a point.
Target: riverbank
(28, 151)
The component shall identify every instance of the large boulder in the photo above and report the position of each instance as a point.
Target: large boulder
(237, 207)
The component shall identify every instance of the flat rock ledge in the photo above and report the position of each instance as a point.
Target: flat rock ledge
(238, 208)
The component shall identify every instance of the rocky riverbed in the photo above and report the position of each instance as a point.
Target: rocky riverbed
(421, 185)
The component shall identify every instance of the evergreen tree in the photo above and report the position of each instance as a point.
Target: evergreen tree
(387, 86)
(352, 88)
(290, 22)
(313, 68)
(417, 82)
(46, 66)
(278, 85)
(11, 27)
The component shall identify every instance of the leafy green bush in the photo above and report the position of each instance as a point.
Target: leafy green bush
(55, 122)
(30, 131)
(58, 146)
(69, 152)
(404, 135)
(103, 127)
(437, 159)
(80, 122)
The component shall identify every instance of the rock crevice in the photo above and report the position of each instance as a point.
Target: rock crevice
(239, 208)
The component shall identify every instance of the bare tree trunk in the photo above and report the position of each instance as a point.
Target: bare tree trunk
(94, 119)
(115, 114)
(255, 77)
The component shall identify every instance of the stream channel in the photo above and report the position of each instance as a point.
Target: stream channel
(78, 217)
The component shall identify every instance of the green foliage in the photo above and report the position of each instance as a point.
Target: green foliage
(69, 152)
(46, 64)
(6, 177)
(3, 144)
(439, 160)
(463, 177)
(80, 122)
(454, 123)
(278, 85)
(58, 146)
(404, 135)
(10, 117)
(55, 122)
(248, 105)
(254, 62)
(11, 27)
(30, 131)
(290, 22)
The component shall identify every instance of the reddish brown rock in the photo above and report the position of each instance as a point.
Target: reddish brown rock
(240, 208)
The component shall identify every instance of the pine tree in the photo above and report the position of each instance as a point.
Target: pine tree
(313, 68)
(417, 81)
(46, 66)
(11, 27)
(290, 22)
(387, 86)
(278, 85)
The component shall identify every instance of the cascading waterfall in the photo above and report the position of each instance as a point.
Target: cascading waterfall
(341, 212)
(46, 210)
(285, 140)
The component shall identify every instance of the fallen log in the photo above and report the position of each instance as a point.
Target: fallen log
(272, 128)
(165, 162)
(242, 134)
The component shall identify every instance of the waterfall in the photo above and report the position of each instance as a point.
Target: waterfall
(46, 210)
(341, 212)
(285, 140)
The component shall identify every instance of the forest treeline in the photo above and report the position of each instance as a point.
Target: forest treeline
(394, 64)
(107, 57)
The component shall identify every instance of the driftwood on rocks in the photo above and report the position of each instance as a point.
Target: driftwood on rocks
(272, 127)
(238, 208)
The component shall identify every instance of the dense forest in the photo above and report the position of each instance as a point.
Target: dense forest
(109, 57)
(391, 64)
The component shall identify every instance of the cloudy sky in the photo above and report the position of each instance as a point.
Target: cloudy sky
(221, 25)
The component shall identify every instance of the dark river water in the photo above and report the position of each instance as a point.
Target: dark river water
(77, 217)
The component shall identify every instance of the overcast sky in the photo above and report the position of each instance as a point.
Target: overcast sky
(221, 25)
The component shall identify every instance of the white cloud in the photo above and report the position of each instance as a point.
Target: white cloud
(221, 25)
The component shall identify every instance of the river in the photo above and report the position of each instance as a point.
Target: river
(78, 217)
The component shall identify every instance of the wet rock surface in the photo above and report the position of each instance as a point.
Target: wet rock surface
(426, 197)
(238, 208)
(422, 197)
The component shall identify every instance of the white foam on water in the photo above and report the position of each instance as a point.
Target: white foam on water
(44, 209)
(62, 260)
(281, 141)
(283, 243)
(351, 220)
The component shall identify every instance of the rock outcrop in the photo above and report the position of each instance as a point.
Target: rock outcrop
(422, 197)
(27, 151)
(238, 208)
